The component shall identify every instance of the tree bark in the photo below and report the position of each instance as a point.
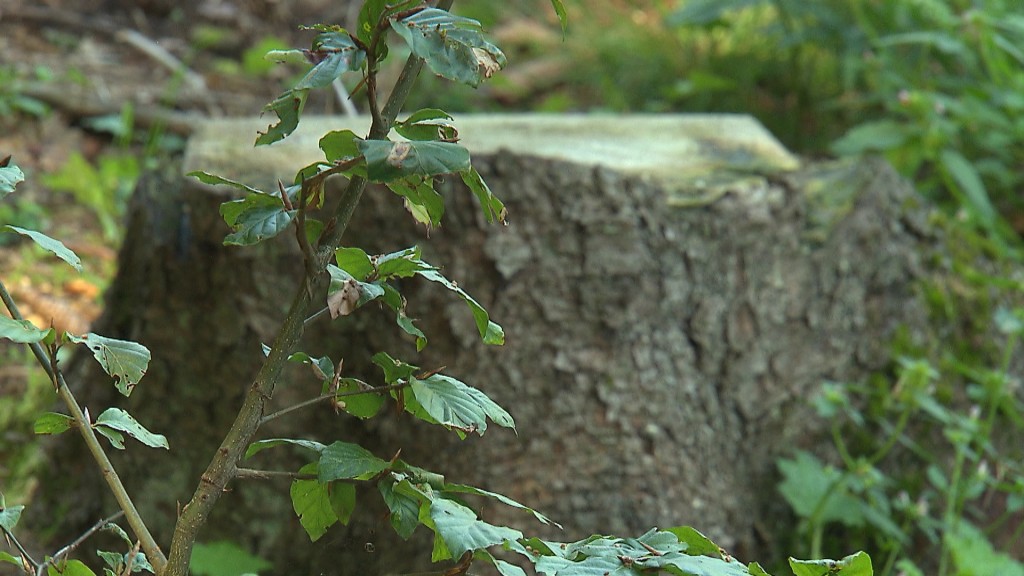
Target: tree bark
(671, 295)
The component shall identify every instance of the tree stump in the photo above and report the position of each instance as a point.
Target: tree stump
(672, 290)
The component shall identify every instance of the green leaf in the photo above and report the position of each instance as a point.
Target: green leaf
(493, 208)
(386, 160)
(974, 554)
(877, 136)
(453, 46)
(589, 566)
(704, 12)
(563, 19)
(334, 53)
(115, 437)
(402, 264)
(858, 564)
(323, 367)
(287, 107)
(755, 569)
(52, 423)
(339, 145)
(354, 261)
(124, 360)
(341, 300)
(394, 369)
(404, 508)
(806, 483)
(458, 526)
(344, 461)
(490, 332)
(342, 497)
(69, 568)
(119, 420)
(457, 406)
(970, 185)
(214, 180)
(10, 515)
(5, 557)
(504, 568)
(364, 405)
(224, 559)
(312, 504)
(255, 218)
(49, 244)
(22, 331)
(421, 200)
(428, 124)
(465, 489)
(10, 176)
(261, 445)
(698, 565)
(406, 324)
(697, 544)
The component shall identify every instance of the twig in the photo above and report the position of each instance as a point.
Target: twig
(250, 474)
(21, 550)
(149, 545)
(329, 396)
(344, 98)
(315, 315)
(78, 541)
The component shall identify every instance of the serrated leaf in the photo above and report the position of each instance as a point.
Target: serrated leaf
(312, 504)
(334, 53)
(51, 245)
(223, 559)
(858, 564)
(124, 360)
(255, 218)
(452, 46)
(490, 332)
(287, 107)
(10, 176)
(344, 461)
(214, 180)
(261, 445)
(117, 419)
(22, 331)
(465, 489)
(428, 124)
(386, 160)
(493, 208)
(52, 423)
(69, 568)
(457, 406)
(460, 529)
(354, 261)
(10, 515)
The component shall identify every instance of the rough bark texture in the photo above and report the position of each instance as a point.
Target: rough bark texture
(660, 349)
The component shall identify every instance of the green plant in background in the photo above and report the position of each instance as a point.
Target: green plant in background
(961, 427)
(341, 280)
(935, 85)
(103, 188)
(14, 100)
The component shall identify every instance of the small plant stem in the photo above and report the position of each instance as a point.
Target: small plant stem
(21, 549)
(149, 545)
(250, 474)
(78, 541)
(328, 396)
(223, 468)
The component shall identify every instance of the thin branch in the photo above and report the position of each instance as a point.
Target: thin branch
(149, 545)
(21, 549)
(251, 474)
(315, 315)
(78, 541)
(328, 396)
